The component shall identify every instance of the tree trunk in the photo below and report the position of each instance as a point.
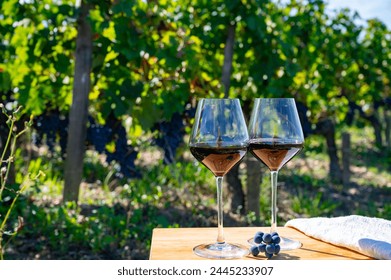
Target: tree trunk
(79, 110)
(234, 185)
(327, 128)
(228, 57)
(377, 128)
(374, 120)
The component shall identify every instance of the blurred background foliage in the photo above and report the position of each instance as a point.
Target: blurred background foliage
(151, 62)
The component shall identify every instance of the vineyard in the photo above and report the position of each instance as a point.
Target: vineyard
(98, 99)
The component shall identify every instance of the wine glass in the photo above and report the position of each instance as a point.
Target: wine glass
(276, 137)
(219, 140)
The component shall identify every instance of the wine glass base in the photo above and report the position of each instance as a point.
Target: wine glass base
(286, 244)
(221, 251)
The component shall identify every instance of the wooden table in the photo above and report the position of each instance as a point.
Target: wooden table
(178, 244)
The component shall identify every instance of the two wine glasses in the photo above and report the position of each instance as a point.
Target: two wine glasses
(220, 139)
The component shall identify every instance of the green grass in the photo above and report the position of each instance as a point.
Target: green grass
(313, 205)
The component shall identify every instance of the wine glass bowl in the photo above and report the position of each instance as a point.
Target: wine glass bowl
(220, 162)
(219, 140)
(276, 137)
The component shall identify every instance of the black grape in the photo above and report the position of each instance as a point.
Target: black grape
(48, 126)
(124, 153)
(170, 136)
(99, 135)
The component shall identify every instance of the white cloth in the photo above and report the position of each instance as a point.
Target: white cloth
(367, 235)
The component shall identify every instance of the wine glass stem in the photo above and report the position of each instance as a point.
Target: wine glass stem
(219, 183)
(274, 175)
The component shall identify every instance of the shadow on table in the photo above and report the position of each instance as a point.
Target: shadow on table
(330, 254)
(288, 256)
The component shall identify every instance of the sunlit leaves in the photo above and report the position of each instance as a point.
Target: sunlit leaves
(40, 43)
(8, 7)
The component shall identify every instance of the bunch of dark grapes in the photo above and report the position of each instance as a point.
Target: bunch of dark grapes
(48, 126)
(170, 136)
(113, 131)
(124, 153)
(63, 134)
(266, 243)
(305, 122)
(98, 135)
(189, 112)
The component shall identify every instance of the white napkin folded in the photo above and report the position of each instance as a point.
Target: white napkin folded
(367, 235)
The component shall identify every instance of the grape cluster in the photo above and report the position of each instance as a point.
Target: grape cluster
(170, 136)
(48, 126)
(170, 133)
(124, 154)
(267, 243)
(99, 135)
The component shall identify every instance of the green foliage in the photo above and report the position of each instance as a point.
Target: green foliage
(265, 199)
(39, 43)
(175, 184)
(313, 205)
(371, 209)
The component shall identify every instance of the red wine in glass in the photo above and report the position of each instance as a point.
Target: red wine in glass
(273, 153)
(219, 160)
(276, 137)
(219, 141)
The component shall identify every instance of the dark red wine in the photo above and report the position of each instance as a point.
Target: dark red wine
(219, 160)
(274, 154)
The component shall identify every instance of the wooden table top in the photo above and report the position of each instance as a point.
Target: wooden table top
(178, 244)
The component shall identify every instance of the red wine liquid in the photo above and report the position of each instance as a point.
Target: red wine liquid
(219, 160)
(274, 154)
